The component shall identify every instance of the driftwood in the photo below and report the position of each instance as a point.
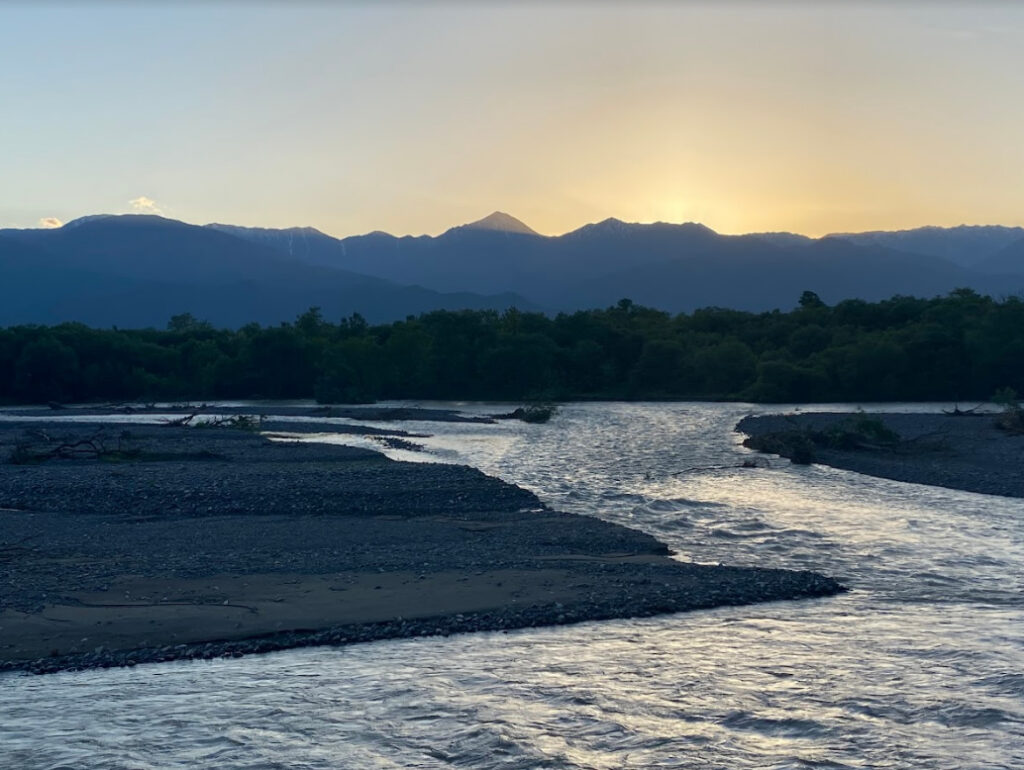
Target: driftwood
(90, 447)
(238, 421)
(121, 408)
(750, 462)
(958, 412)
(179, 422)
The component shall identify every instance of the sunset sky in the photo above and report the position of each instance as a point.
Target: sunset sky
(412, 117)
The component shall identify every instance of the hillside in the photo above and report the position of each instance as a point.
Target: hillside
(137, 271)
(674, 267)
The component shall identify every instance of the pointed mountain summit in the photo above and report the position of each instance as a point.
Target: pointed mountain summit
(501, 222)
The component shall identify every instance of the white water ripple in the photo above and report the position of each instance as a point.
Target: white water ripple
(919, 666)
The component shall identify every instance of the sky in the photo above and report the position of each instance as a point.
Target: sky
(413, 117)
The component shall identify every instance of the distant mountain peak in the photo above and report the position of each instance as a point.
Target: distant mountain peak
(693, 227)
(83, 220)
(613, 225)
(501, 222)
(122, 219)
(609, 225)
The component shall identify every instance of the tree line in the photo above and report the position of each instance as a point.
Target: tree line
(963, 346)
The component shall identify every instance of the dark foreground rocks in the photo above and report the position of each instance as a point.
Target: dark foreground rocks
(967, 451)
(178, 542)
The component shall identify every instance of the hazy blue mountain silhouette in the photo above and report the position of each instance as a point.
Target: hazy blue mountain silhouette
(35, 284)
(137, 270)
(676, 267)
(966, 245)
(306, 244)
(742, 277)
(479, 258)
(1009, 259)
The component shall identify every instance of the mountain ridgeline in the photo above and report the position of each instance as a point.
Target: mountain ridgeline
(136, 271)
(674, 267)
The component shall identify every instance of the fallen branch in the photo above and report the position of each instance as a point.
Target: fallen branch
(90, 447)
(179, 422)
(750, 462)
(958, 412)
(237, 421)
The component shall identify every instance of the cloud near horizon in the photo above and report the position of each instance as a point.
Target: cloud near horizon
(50, 223)
(144, 205)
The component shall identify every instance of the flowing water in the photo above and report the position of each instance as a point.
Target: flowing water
(921, 665)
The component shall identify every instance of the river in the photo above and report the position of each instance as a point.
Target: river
(920, 665)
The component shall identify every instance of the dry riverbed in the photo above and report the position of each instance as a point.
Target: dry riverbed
(149, 543)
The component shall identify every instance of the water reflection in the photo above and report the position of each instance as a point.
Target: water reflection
(919, 666)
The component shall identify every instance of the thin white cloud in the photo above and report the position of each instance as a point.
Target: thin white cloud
(49, 223)
(144, 205)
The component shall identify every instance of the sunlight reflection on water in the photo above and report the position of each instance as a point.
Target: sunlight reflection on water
(919, 666)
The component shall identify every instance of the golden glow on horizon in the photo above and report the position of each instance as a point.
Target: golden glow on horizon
(407, 118)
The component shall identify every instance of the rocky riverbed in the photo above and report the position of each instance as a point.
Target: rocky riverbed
(967, 452)
(127, 543)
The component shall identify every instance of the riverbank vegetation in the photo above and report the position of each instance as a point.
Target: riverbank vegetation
(857, 432)
(959, 347)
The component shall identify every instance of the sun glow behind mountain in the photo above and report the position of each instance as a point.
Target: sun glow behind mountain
(404, 117)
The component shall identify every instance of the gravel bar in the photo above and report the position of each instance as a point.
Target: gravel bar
(141, 543)
(368, 413)
(966, 452)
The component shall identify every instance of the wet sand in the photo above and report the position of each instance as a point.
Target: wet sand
(194, 543)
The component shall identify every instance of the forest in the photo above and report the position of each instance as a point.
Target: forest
(960, 347)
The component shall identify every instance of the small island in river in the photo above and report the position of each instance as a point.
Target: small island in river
(130, 543)
(965, 451)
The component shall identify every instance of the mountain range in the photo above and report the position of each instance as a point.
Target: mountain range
(138, 270)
